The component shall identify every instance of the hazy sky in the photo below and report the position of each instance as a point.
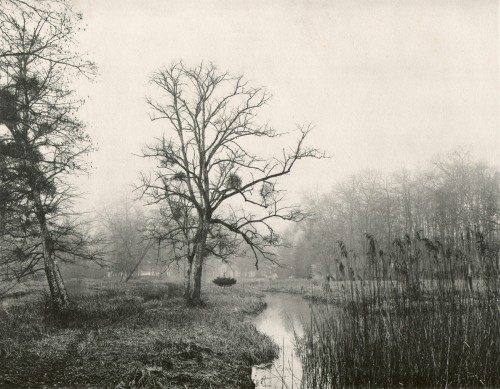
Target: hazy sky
(387, 84)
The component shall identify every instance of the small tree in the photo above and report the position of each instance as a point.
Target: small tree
(205, 164)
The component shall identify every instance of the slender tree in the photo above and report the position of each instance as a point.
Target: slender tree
(206, 161)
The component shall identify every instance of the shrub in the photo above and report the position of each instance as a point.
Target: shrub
(224, 281)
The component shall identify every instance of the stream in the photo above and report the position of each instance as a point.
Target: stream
(282, 321)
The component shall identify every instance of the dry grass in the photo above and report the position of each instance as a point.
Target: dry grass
(137, 335)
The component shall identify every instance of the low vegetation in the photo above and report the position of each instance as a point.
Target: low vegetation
(224, 281)
(138, 335)
(302, 286)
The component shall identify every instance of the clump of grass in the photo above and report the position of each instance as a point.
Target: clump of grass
(414, 332)
(155, 292)
(99, 310)
(17, 294)
(261, 349)
(144, 377)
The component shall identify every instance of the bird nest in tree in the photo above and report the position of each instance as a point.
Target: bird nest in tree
(233, 181)
(179, 176)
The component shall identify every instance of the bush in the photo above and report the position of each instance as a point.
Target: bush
(224, 281)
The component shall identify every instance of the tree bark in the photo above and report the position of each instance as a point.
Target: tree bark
(193, 293)
(58, 294)
(187, 287)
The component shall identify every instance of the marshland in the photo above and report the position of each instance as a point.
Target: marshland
(249, 195)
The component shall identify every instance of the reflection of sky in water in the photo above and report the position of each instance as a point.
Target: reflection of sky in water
(284, 316)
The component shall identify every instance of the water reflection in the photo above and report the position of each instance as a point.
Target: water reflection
(282, 321)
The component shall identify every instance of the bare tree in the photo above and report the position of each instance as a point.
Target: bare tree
(127, 236)
(206, 163)
(42, 141)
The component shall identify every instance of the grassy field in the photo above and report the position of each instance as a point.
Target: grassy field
(132, 335)
(305, 287)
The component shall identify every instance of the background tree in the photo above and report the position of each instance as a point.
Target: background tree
(206, 161)
(128, 244)
(42, 141)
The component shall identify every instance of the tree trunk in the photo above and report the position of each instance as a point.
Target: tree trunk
(187, 287)
(146, 250)
(58, 295)
(193, 293)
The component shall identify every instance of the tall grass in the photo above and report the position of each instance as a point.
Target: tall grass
(414, 330)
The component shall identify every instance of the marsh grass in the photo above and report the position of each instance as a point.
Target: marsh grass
(432, 333)
(130, 336)
(304, 287)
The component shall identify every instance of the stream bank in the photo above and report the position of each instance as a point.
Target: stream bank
(133, 335)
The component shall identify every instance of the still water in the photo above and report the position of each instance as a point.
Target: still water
(282, 321)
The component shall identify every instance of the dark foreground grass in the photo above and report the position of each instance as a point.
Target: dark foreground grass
(139, 335)
(444, 337)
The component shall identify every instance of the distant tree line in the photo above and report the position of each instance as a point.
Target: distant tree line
(454, 203)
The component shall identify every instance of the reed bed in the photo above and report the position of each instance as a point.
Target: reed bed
(435, 332)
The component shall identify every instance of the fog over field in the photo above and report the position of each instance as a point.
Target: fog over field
(386, 84)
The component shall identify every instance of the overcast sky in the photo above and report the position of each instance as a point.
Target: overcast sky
(387, 84)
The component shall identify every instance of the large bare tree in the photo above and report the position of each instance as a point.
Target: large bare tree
(42, 141)
(205, 162)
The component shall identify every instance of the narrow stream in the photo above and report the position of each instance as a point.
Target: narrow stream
(281, 321)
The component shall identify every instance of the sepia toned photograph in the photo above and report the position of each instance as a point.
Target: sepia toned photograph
(287, 194)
